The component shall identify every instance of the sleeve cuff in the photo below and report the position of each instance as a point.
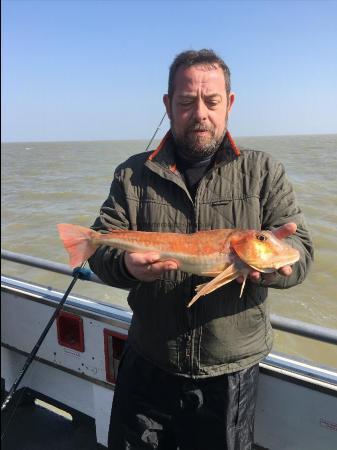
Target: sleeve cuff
(124, 271)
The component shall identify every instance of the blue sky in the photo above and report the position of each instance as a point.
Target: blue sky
(97, 70)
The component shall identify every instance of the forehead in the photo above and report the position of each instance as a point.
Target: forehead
(205, 77)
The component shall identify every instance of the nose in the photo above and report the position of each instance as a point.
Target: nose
(200, 111)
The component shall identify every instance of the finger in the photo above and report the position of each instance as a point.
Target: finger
(285, 230)
(141, 259)
(152, 272)
(240, 279)
(255, 276)
(159, 267)
(285, 271)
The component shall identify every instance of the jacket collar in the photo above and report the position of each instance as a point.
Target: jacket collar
(164, 153)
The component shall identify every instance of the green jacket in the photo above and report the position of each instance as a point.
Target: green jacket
(220, 333)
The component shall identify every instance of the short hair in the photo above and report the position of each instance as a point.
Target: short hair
(204, 57)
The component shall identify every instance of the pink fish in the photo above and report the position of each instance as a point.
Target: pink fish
(222, 254)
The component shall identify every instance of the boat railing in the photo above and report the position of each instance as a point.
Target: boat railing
(312, 331)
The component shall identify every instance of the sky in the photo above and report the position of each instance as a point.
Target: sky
(97, 70)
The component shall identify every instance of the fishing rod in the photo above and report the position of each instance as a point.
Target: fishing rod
(154, 134)
(78, 272)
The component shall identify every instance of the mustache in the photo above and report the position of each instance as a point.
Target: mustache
(200, 127)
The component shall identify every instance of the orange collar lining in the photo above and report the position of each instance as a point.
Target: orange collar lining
(233, 145)
(235, 149)
(160, 146)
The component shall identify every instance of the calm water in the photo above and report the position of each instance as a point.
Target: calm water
(47, 183)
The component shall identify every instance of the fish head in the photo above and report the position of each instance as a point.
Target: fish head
(262, 250)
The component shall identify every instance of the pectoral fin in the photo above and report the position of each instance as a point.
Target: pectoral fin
(211, 274)
(223, 278)
(245, 275)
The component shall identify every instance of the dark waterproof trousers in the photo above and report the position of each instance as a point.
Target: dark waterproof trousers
(153, 409)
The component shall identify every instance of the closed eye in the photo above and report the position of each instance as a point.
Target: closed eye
(186, 103)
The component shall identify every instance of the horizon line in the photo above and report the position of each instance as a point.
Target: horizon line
(145, 139)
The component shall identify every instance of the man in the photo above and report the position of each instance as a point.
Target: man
(188, 377)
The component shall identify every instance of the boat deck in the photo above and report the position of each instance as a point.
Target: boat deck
(33, 427)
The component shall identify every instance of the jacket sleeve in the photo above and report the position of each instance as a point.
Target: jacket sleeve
(279, 206)
(108, 263)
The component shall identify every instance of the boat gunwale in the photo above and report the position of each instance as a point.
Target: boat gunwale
(277, 364)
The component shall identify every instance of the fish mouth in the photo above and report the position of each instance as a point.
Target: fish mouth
(276, 265)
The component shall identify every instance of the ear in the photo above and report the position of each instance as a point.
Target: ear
(230, 101)
(167, 103)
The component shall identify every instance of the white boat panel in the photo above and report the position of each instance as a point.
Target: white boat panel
(297, 400)
(290, 416)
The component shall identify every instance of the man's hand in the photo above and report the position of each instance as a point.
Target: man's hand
(282, 232)
(147, 266)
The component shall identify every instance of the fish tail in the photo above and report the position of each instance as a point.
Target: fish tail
(77, 241)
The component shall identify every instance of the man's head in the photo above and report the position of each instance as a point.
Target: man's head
(198, 102)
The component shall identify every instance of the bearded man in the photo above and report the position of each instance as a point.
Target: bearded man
(188, 376)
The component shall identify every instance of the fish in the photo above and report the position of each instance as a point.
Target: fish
(222, 254)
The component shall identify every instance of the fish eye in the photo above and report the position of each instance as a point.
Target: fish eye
(261, 237)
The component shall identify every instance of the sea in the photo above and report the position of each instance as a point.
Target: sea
(46, 183)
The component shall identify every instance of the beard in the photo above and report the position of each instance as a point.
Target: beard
(194, 146)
